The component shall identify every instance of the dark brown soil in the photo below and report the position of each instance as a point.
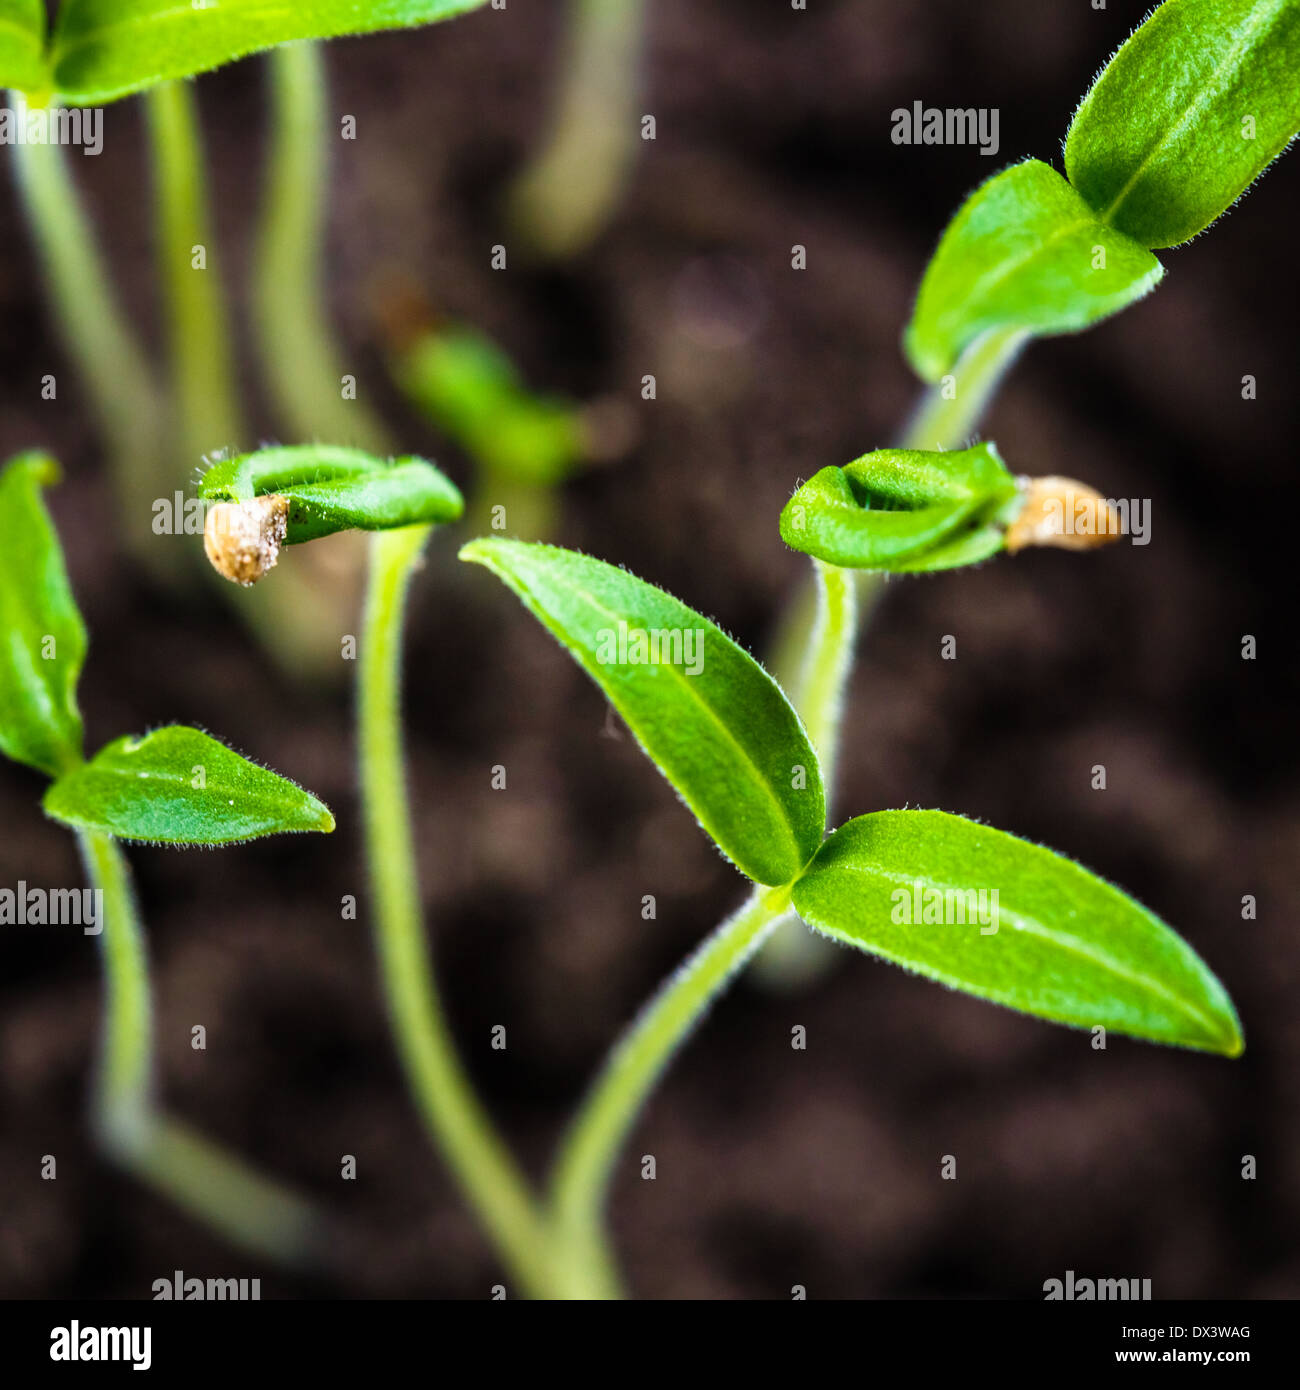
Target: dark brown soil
(775, 1167)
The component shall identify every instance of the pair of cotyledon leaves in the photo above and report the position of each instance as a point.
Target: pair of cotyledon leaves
(100, 50)
(1192, 108)
(1067, 946)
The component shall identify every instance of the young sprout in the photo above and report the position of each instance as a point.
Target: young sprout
(175, 786)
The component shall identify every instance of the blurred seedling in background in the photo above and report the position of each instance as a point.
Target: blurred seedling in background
(171, 786)
(522, 445)
(157, 427)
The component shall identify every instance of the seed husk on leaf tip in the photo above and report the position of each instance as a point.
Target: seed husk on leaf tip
(243, 539)
(1063, 513)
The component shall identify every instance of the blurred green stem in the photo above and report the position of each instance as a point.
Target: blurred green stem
(220, 1189)
(205, 406)
(563, 199)
(479, 1161)
(950, 412)
(297, 343)
(95, 332)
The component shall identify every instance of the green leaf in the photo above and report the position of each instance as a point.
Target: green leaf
(330, 489)
(902, 509)
(1192, 108)
(715, 723)
(105, 49)
(43, 644)
(472, 391)
(22, 46)
(1024, 251)
(1057, 941)
(177, 786)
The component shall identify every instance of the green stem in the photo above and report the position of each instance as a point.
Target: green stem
(203, 373)
(236, 1201)
(827, 664)
(95, 332)
(296, 341)
(487, 1174)
(563, 199)
(586, 1160)
(950, 412)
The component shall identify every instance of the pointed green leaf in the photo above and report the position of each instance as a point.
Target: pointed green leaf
(104, 49)
(330, 489)
(22, 46)
(1192, 108)
(902, 509)
(1024, 251)
(42, 636)
(178, 786)
(1056, 941)
(716, 724)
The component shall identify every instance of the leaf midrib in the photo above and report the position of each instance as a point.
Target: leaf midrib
(1072, 944)
(1211, 89)
(782, 816)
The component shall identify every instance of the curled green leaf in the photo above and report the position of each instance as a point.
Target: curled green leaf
(1192, 108)
(1023, 252)
(287, 496)
(904, 510)
(1005, 920)
(714, 722)
(179, 786)
(42, 636)
(105, 49)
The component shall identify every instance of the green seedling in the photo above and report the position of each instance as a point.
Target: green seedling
(956, 901)
(173, 786)
(523, 445)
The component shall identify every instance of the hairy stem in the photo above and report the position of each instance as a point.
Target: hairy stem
(950, 413)
(451, 1112)
(95, 331)
(824, 664)
(586, 1159)
(297, 344)
(207, 415)
(204, 1179)
(563, 199)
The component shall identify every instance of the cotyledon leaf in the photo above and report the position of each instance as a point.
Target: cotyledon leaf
(22, 46)
(1192, 108)
(902, 509)
(1023, 252)
(332, 489)
(42, 636)
(715, 723)
(105, 49)
(984, 912)
(179, 786)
